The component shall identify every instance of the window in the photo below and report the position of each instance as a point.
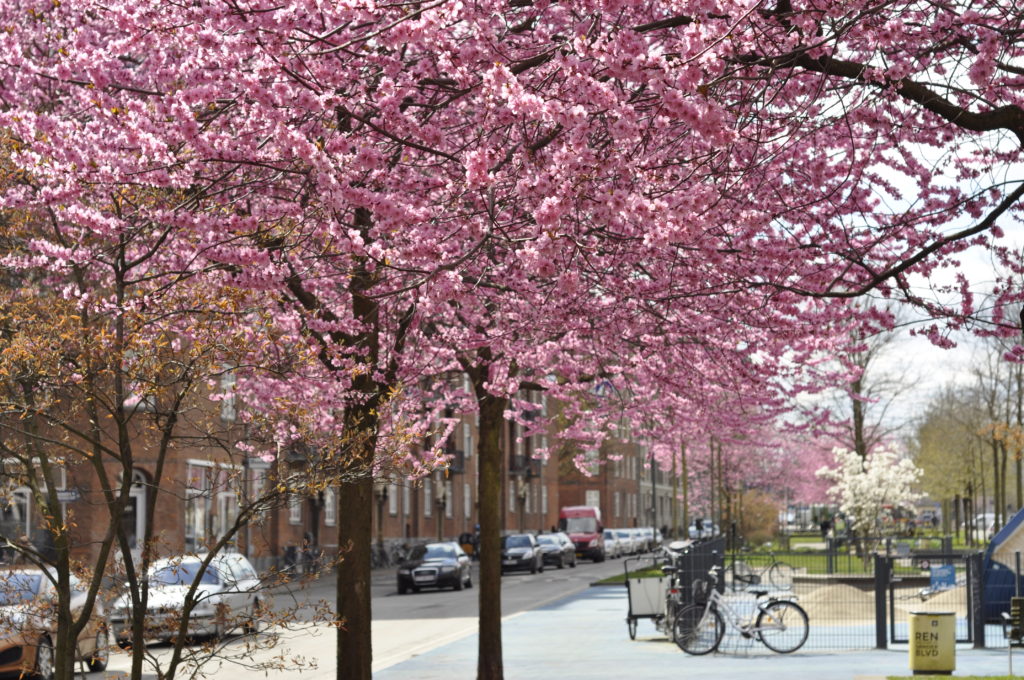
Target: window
(427, 501)
(449, 509)
(593, 497)
(330, 507)
(511, 496)
(227, 399)
(615, 504)
(467, 440)
(406, 500)
(135, 398)
(227, 513)
(528, 501)
(467, 500)
(294, 509)
(15, 513)
(544, 499)
(393, 499)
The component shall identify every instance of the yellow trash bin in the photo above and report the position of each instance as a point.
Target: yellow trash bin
(932, 643)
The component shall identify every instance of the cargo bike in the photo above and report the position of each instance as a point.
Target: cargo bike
(653, 593)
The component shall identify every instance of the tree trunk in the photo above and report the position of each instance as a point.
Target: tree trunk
(685, 474)
(355, 492)
(489, 654)
(859, 441)
(355, 522)
(675, 501)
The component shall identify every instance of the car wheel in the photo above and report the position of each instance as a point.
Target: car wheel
(469, 580)
(573, 565)
(252, 625)
(458, 583)
(402, 588)
(101, 654)
(533, 568)
(561, 562)
(415, 589)
(44, 660)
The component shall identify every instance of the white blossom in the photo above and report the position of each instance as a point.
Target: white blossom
(864, 487)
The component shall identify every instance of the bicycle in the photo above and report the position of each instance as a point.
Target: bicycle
(781, 625)
(779, 574)
(379, 557)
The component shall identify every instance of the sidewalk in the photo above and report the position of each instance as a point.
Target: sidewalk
(584, 637)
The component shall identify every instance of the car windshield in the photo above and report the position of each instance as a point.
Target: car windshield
(609, 534)
(182, 574)
(547, 540)
(516, 542)
(623, 534)
(19, 587)
(581, 525)
(432, 552)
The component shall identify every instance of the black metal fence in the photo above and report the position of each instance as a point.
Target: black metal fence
(853, 601)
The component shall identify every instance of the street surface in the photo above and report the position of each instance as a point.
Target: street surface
(404, 626)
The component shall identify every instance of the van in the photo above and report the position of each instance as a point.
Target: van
(583, 525)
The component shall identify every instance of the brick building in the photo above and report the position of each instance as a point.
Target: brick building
(203, 485)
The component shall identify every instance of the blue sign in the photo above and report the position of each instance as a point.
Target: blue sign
(942, 576)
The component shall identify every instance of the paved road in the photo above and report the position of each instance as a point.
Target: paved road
(403, 627)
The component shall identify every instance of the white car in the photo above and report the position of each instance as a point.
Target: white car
(627, 543)
(612, 547)
(227, 597)
(707, 529)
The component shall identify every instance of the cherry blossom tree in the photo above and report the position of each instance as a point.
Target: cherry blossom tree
(706, 182)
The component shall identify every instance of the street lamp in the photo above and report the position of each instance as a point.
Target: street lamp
(380, 490)
(441, 501)
(521, 489)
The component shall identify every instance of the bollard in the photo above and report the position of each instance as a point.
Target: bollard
(932, 643)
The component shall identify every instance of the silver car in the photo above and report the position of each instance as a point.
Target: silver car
(612, 547)
(228, 597)
(627, 543)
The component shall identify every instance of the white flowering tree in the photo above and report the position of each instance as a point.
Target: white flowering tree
(865, 488)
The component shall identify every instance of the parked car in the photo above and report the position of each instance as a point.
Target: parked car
(28, 625)
(556, 549)
(703, 528)
(646, 538)
(612, 546)
(520, 551)
(228, 597)
(639, 542)
(435, 565)
(627, 542)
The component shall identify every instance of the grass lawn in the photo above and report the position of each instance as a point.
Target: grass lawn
(650, 572)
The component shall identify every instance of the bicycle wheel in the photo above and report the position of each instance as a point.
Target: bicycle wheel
(782, 626)
(780, 576)
(743, 575)
(698, 630)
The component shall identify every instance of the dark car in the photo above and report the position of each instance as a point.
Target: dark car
(557, 550)
(435, 565)
(520, 551)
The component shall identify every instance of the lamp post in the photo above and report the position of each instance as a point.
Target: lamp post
(380, 490)
(521, 497)
(440, 500)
